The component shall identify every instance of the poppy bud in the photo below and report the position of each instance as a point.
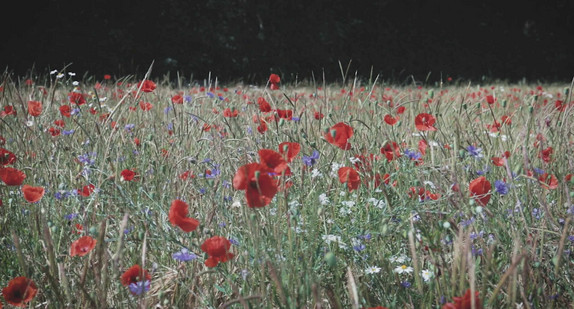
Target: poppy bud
(331, 259)
(464, 105)
(535, 98)
(504, 103)
(566, 91)
(333, 133)
(281, 121)
(252, 217)
(530, 109)
(431, 93)
(320, 211)
(93, 230)
(257, 173)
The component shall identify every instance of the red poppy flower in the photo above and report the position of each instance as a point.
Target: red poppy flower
(464, 302)
(264, 106)
(229, 113)
(11, 176)
(66, 111)
(285, 113)
(145, 106)
(34, 108)
(272, 160)
(178, 216)
(506, 120)
(490, 99)
(319, 115)
(82, 246)
(289, 150)
(262, 127)
(546, 154)
(32, 194)
(390, 119)
(86, 190)
(147, 85)
(177, 99)
(391, 150)
(134, 274)
(217, 248)
(19, 291)
(274, 80)
(401, 110)
(423, 146)
(8, 110)
(54, 131)
(425, 122)
(7, 157)
(107, 76)
(76, 98)
(339, 135)
(480, 189)
(260, 188)
(350, 176)
(127, 175)
(548, 181)
(498, 161)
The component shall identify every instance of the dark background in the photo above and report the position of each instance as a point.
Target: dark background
(248, 40)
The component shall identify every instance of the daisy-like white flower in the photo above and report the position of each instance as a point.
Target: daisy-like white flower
(403, 269)
(426, 274)
(372, 270)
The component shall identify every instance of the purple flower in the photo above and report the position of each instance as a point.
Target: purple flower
(71, 216)
(139, 287)
(475, 152)
(129, 126)
(184, 255)
(406, 284)
(312, 159)
(413, 155)
(501, 187)
(538, 171)
(68, 132)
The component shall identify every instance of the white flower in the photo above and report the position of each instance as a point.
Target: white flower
(426, 274)
(71, 73)
(354, 160)
(60, 75)
(336, 239)
(403, 269)
(376, 203)
(53, 72)
(399, 259)
(372, 270)
(348, 203)
(75, 83)
(316, 173)
(323, 199)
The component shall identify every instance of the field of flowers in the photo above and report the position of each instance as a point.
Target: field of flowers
(134, 193)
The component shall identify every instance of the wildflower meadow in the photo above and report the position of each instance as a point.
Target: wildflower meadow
(134, 192)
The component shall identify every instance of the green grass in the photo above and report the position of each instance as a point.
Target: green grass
(313, 245)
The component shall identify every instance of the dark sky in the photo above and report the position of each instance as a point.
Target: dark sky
(247, 40)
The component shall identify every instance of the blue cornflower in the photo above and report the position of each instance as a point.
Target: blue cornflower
(187, 98)
(538, 171)
(501, 187)
(71, 216)
(413, 155)
(475, 152)
(68, 132)
(139, 287)
(184, 255)
(129, 126)
(167, 109)
(211, 95)
(406, 284)
(312, 159)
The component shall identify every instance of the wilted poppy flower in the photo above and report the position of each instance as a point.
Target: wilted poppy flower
(289, 150)
(546, 154)
(260, 188)
(34, 108)
(425, 122)
(350, 176)
(217, 248)
(147, 85)
(19, 291)
(273, 160)
(11, 176)
(127, 175)
(7, 157)
(464, 302)
(480, 189)
(82, 246)
(178, 216)
(390, 119)
(391, 150)
(134, 274)
(339, 135)
(32, 194)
